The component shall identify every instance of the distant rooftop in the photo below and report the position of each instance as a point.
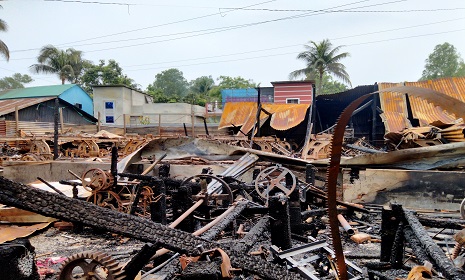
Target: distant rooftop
(33, 92)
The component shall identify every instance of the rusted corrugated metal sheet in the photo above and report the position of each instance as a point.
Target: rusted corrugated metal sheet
(8, 106)
(394, 108)
(428, 113)
(284, 116)
(394, 104)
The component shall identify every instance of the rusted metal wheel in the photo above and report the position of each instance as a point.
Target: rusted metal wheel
(91, 265)
(96, 180)
(274, 177)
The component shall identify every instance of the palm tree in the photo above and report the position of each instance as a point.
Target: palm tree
(67, 64)
(3, 47)
(321, 59)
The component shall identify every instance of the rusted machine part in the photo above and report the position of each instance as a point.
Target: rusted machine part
(133, 145)
(87, 148)
(226, 268)
(91, 265)
(213, 232)
(446, 266)
(40, 147)
(97, 180)
(332, 175)
(460, 239)
(274, 177)
(32, 157)
(345, 225)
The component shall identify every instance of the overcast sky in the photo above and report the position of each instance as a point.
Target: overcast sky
(388, 40)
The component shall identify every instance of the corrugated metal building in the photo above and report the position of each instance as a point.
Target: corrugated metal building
(37, 104)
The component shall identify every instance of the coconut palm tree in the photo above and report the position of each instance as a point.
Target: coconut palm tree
(321, 58)
(3, 47)
(67, 64)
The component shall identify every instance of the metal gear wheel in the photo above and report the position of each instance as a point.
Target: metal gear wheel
(91, 265)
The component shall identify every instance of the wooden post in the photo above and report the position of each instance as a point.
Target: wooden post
(55, 130)
(61, 120)
(193, 120)
(98, 121)
(124, 124)
(159, 124)
(17, 125)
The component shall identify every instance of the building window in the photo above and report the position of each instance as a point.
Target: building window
(292, 100)
(109, 111)
(78, 105)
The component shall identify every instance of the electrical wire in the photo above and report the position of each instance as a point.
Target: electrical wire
(281, 54)
(300, 44)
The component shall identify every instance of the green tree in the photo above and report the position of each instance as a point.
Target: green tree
(225, 82)
(104, 74)
(320, 59)
(199, 90)
(169, 85)
(3, 47)
(330, 86)
(444, 61)
(67, 64)
(15, 81)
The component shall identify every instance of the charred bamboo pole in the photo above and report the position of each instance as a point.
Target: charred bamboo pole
(446, 266)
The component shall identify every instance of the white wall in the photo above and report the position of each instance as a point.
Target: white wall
(139, 108)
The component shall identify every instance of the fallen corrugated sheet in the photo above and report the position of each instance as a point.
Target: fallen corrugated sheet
(284, 116)
(394, 104)
(10, 232)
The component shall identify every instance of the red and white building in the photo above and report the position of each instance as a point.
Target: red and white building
(293, 92)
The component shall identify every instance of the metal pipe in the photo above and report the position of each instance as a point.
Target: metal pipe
(345, 225)
(50, 186)
(185, 214)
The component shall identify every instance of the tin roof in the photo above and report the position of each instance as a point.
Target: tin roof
(283, 116)
(394, 104)
(8, 106)
(33, 92)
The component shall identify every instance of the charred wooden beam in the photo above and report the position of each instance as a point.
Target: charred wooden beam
(389, 225)
(442, 223)
(132, 268)
(73, 210)
(158, 207)
(415, 245)
(212, 233)
(446, 266)
(280, 221)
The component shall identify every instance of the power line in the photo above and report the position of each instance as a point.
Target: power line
(273, 55)
(246, 25)
(363, 11)
(295, 45)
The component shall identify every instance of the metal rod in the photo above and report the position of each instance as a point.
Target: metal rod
(50, 186)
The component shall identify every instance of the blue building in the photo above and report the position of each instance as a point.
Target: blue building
(247, 95)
